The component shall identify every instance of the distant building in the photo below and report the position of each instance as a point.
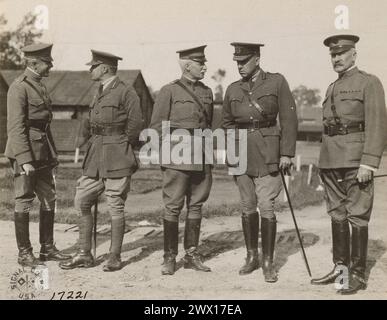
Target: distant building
(309, 124)
(71, 93)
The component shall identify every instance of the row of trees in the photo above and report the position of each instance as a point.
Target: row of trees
(11, 41)
(303, 96)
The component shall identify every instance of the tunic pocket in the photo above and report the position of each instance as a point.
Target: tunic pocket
(268, 102)
(354, 145)
(351, 103)
(118, 154)
(109, 110)
(183, 109)
(271, 137)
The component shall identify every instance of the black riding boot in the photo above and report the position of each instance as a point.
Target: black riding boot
(250, 225)
(341, 252)
(192, 258)
(117, 236)
(83, 259)
(268, 234)
(359, 259)
(26, 258)
(171, 233)
(48, 251)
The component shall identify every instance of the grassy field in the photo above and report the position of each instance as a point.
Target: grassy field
(145, 181)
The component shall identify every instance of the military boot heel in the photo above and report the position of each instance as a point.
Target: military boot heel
(268, 232)
(48, 250)
(171, 237)
(114, 262)
(250, 226)
(84, 258)
(192, 258)
(341, 252)
(25, 257)
(357, 280)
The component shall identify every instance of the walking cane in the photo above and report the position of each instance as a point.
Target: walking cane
(295, 224)
(374, 177)
(95, 228)
(48, 166)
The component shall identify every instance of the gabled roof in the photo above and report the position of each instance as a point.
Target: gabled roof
(72, 87)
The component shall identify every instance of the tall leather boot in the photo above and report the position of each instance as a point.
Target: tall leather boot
(25, 258)
(84, 258)
(117, 236)
(48, 251)
(171, 234)
(268, 234)
(341, 252)
(357, 279)
(192, 258)
(250, 226)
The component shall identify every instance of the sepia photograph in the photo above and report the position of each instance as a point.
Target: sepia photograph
(210, 152)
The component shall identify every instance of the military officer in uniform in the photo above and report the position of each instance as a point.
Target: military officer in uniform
(253, 103)
(188, 104)
(353, 141)
(32, 154)
(115, 122)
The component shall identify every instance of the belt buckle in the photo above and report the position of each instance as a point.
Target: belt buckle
(343, 129)
(332, 130)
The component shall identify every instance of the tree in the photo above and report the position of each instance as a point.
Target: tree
(306, 97)
(219, 77)
(11, 42)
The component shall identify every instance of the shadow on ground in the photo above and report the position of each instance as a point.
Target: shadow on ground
(212, 246)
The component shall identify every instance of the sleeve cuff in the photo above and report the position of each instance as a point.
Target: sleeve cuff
(24, 157)
(370, 160)
(368, 167)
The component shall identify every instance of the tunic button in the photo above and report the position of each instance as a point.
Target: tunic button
(96, 112)
(250, 105)
(251, 118)
(250, 93)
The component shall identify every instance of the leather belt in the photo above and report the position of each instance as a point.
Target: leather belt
(342, 129)
(39, 124)
(257, 124)
(190, 130)
(107, 130)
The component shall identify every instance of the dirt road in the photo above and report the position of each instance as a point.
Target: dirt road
(223, 248)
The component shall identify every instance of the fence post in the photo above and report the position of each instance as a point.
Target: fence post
(76, 156)
(298, 163)
(310, 173)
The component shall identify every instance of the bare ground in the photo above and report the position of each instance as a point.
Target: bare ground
(222, 246)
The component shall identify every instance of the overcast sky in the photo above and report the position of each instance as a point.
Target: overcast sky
(146, 33)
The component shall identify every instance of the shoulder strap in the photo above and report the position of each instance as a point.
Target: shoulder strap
(333, 107)
(255, 104)
(199, 103)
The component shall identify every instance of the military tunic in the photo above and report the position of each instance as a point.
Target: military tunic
(114, 126)
(243, 105)
(184, 181)
(30, 140)
(358, 98)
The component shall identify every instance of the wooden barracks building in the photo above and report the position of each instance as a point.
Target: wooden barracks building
(71, 93)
